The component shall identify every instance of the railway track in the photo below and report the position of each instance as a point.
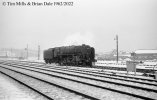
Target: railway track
(63, 71)
(77, 93)
(103, 72)
(99, 70)
(64, 75)
(22, 83)
(100, 73)
(105, 76)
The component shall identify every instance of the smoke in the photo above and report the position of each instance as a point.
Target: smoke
(79, 39)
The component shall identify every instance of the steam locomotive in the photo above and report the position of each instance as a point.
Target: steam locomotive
(81, 55)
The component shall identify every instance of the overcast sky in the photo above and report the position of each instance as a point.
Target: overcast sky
(92, 22)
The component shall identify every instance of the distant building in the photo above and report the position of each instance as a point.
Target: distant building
(146, 54)
(3, 54)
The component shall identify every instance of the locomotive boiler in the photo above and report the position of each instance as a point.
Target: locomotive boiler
(81, 55)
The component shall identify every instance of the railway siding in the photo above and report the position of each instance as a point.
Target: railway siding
(86, 79)
(53, 91)
(109, 84)
(98, 93)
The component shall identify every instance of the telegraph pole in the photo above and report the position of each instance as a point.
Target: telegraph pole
(38, 52)
(117, 46)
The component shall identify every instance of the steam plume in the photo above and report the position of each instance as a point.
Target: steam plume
(79, 39)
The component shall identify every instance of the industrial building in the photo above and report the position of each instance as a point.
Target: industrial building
(146, 54)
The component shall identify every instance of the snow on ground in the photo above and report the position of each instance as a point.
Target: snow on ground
(10, 90)
(86, 89)
(54, 92)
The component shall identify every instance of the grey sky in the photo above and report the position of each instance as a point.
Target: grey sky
(94, 22)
